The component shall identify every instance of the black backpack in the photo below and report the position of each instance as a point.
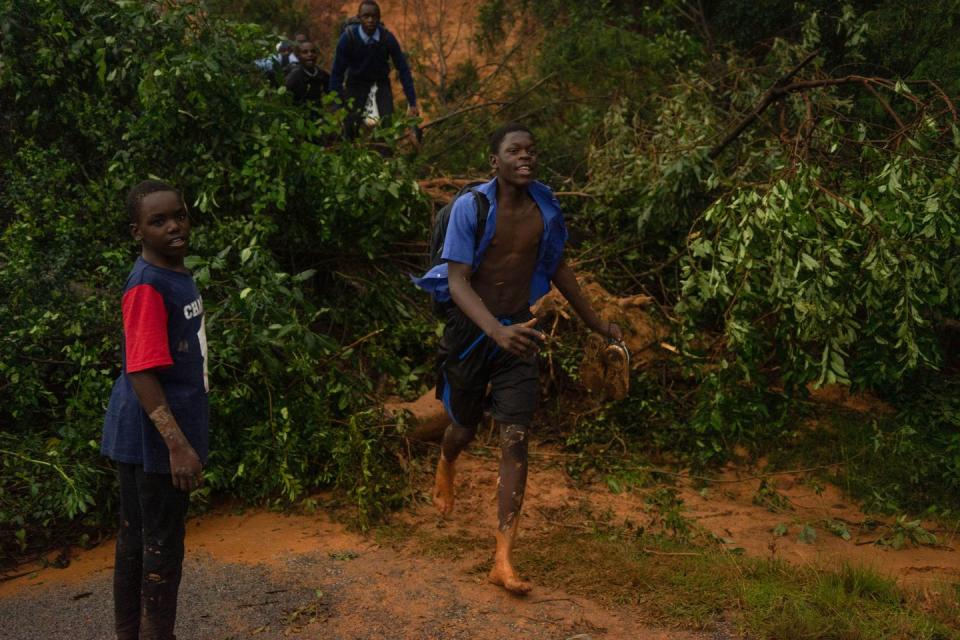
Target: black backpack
(346, 24)
(438, 232)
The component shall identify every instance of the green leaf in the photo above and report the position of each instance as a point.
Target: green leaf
(838, 529)
(305, 275)
(808, 535)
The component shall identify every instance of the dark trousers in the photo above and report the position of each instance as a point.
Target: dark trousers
(149, 561)
(357, 91)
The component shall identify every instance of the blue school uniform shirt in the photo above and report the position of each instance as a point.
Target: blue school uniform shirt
(163, 331)
(368, 39)
(460, 244)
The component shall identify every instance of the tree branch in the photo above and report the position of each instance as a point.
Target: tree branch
(458, 112)
(775, 92)
(886, 105)
(523, 94)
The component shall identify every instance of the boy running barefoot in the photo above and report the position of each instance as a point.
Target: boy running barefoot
(489, 338)
(156, 428)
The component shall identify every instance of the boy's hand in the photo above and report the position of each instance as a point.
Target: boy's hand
(185, 468)
(519, 339)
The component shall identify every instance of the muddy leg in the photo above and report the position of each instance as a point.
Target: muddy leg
(455, 440)
(510, 490)
(128, 563)
(164, 509)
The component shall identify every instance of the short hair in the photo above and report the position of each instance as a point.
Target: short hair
(284, 45)
(140, 191)
(496, 138)
(372, 3)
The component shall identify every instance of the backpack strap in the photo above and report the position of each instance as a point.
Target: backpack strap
(483, 208)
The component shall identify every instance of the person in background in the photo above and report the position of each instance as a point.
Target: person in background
(277, 66)
(307, 82)
(361, 66)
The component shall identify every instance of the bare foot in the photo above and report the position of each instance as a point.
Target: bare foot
(443, 487)
(503, 573)
(505, 576)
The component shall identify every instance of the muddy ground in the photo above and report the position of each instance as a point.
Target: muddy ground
(261, 574)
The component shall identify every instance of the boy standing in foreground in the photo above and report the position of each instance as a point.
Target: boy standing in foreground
(489, 336)
(156, 427)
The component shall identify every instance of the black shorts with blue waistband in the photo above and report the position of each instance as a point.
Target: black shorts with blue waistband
(468, 362)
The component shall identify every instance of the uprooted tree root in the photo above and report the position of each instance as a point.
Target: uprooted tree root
(643, 334)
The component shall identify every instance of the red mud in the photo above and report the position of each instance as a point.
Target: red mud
(406, 580)
(729, 512)
(395, 590)
(257, 537)
(726, 510)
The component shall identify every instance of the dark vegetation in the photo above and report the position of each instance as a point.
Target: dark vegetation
(308, 328)
(815, 244)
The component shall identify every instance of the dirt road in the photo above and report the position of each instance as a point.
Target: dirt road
(266, 575)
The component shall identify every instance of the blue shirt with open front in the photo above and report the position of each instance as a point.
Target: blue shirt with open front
(460, 245)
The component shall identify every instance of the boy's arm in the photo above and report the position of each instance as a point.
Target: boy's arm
(519, 339)
(339, 68)
(403, 70)
(566, 282)
(185, 467)
(293, 87)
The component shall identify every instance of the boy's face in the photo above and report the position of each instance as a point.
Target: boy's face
(163, 228)
(369, 18)
(307, 55)
(516, 159)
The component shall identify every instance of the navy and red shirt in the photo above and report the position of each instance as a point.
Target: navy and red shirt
(163, 332)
